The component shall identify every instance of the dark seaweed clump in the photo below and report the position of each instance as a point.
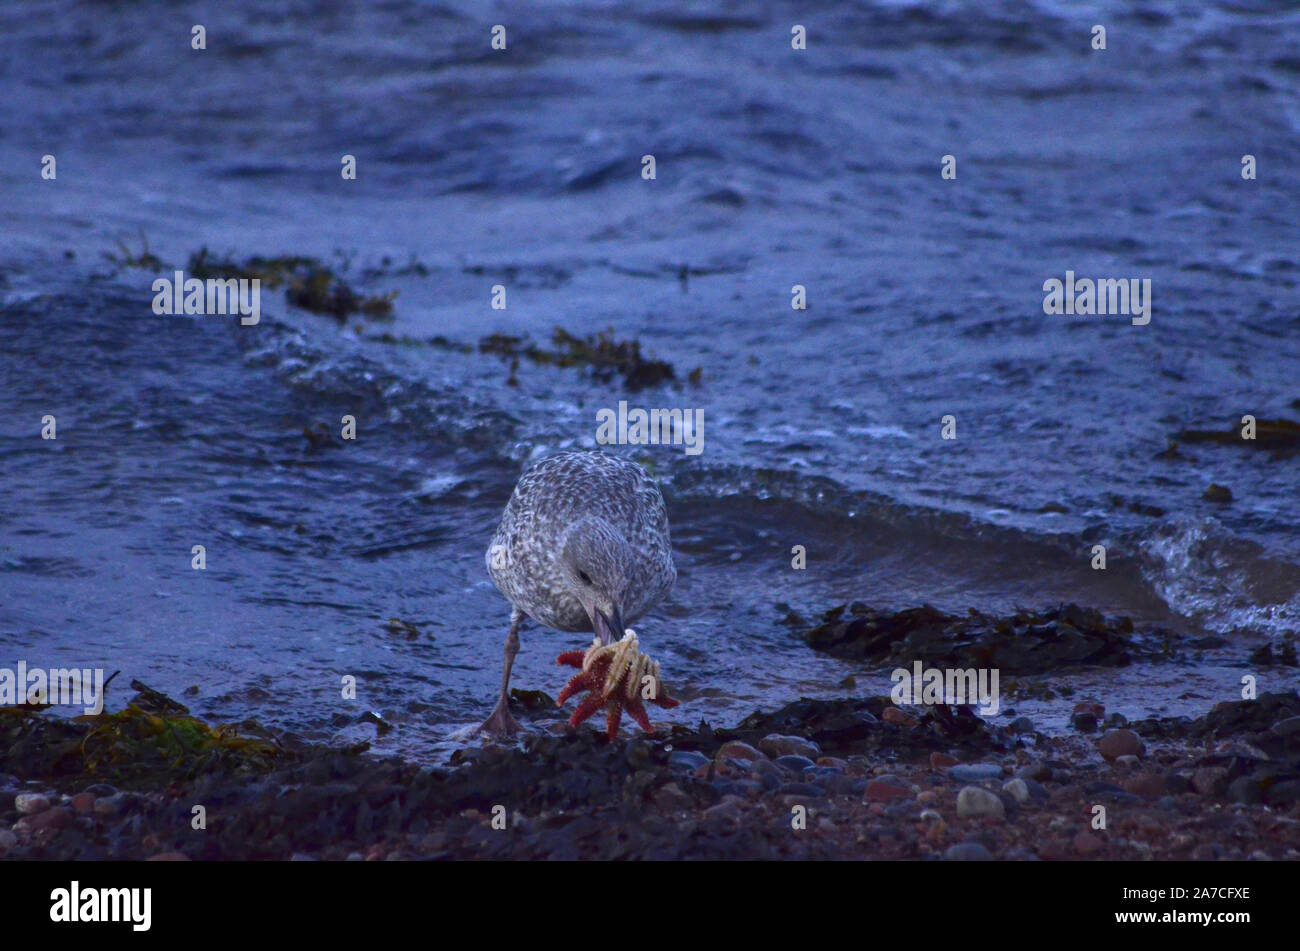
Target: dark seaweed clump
(308, 283)
(856, 727)
(150, 744)
(1028, 642)
(1263, 766)
(1279, 436)
(144, 259)
(605, 357)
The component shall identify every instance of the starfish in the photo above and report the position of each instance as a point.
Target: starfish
(615, 674)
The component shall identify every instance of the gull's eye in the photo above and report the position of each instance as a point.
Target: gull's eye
(584, 577)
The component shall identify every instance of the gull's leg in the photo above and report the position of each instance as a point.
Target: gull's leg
(501, 723)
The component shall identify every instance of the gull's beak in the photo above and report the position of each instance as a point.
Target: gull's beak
(608, 627)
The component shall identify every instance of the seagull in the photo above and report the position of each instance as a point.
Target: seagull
(582, 546)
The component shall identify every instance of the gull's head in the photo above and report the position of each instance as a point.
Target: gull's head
(594, 560)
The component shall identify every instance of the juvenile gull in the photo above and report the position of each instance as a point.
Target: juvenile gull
(582, 546)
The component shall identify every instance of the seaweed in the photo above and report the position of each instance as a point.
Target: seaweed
(308, 283)
(153, 743)
(1279, 436)
(396, 625)
(145, 260)
(604, 356)
(1027, 642)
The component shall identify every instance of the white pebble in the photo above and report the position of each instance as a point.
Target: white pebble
(974, 801)
(28, 804)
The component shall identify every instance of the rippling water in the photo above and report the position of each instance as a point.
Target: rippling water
(775, 167)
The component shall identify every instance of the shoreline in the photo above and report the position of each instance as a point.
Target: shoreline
(829, 779)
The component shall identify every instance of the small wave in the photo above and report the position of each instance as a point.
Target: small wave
(1223, 583)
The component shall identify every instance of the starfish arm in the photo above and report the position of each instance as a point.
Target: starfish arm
(662, 699)
(612, 719)
(579, 683)
(586, 709)
(570, 659)
(637, 709)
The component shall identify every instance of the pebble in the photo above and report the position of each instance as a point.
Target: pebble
(833, 761)
(1085, 843)
(942, 761)
(976, 772)
(779, 744)
(967, 852)
(1119, 743)
(928, 797)
(29, 804)
(802, 789)
(1210, 780)
(1016, 789)
(1109, 791)
(878, 791)
(168, 857)
(745, 787)
(1086, 716)
(765, 768)
(687, 759)
(1245, 790)
(737, 750)
(670, 797)
(1084, 722)
(1022, 725)
(895, 715)
(1146, 785)
(1036, 790)
(56, 817)
(7, 841)
(819, 773)
(82, 803)
(1128, 761)
(794, 762)
(729, 809)
(1038, 771)
(974, 801)
(929, 815)
(110, 805)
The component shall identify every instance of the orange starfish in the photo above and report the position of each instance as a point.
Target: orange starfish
(616, 674)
